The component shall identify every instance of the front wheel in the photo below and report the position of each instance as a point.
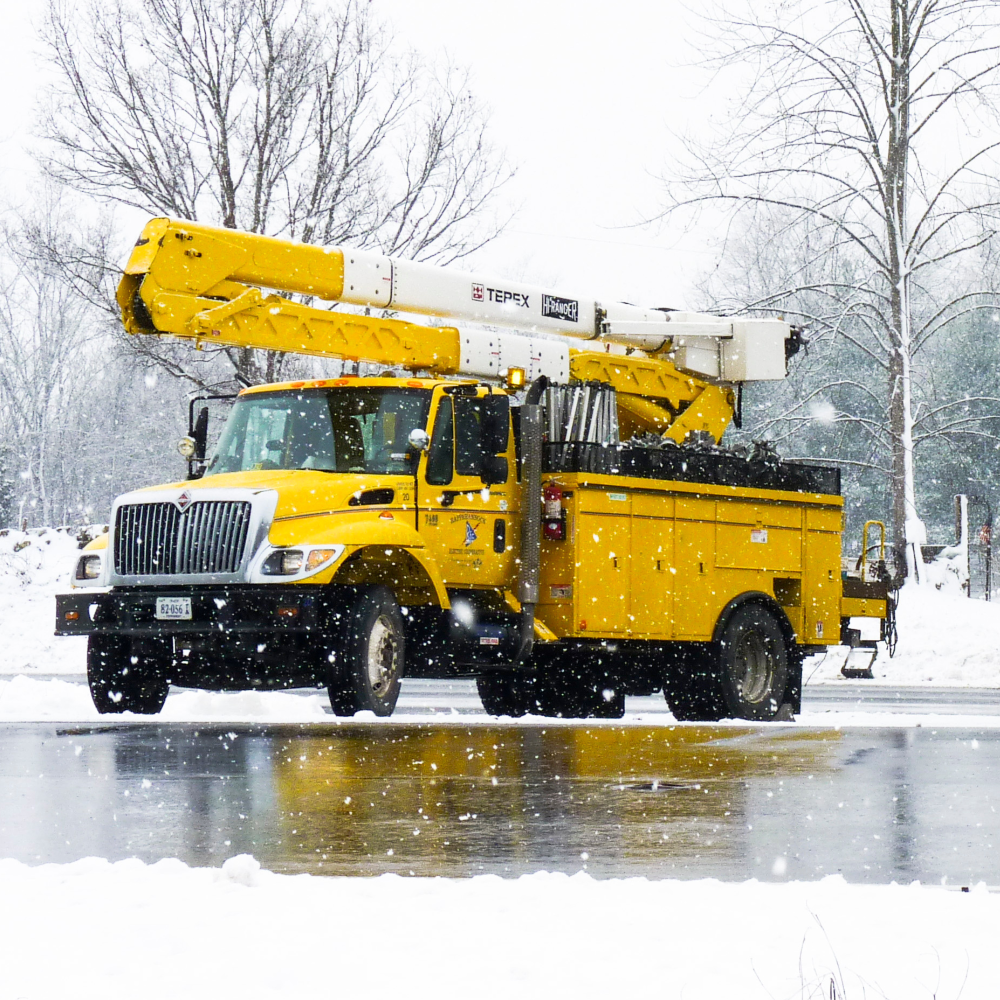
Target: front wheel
(369, 660)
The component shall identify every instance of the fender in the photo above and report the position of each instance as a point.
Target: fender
(754, 597)
(357, 535)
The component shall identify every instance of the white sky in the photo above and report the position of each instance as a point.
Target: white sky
(583, 97)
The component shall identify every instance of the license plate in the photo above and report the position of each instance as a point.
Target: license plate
(173, 608)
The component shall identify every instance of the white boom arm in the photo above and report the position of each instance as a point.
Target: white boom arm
(726, 348)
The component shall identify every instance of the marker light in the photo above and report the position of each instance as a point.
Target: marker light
(516, 378)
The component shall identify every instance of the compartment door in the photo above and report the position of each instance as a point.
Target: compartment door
(652, 566)
(604, 553)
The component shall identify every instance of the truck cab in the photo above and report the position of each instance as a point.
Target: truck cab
(318, 497)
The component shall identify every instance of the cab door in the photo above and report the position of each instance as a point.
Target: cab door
(467, 493)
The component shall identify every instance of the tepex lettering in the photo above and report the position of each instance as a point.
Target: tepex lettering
(502, 297)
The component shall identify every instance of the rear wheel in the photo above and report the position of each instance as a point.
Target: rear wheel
(690, 683)
(504, 693)
(370, 655)
(754, 662)
(745, 675)
(123, 678)
(580, 690)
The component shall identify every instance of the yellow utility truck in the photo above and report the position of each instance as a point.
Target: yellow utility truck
(536, 498)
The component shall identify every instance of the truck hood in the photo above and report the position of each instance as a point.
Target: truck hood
(300, 491)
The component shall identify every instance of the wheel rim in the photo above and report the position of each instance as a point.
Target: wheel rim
(383, 655)
(753, 666)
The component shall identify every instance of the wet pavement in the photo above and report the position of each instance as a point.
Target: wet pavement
(432, 798)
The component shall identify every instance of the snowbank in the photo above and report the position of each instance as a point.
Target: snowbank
(34, 567)
(945, 639)
(30, 699)
(94, 929)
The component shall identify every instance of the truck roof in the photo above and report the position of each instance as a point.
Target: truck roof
(378, 381)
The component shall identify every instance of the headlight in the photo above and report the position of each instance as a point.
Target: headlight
(284, 562)
(299, 562)
(88, 567)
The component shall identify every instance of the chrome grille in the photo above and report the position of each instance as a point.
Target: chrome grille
(156, 539)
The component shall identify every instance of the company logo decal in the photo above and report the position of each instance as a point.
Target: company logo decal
(183, 501)
(553, 307)
(470, 534)
(482, 293)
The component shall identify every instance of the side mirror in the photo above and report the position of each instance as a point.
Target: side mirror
(495, 426)
(494, 469)
(419, 439)
(193, 446)
(200, 434)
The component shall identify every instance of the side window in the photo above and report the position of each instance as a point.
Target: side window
(468, 439)
(440, 456)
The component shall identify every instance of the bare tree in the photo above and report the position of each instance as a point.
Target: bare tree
(871, 126)
(44, 337)
(272, 116)
(81, 420)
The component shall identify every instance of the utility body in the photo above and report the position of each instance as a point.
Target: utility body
(559, 522)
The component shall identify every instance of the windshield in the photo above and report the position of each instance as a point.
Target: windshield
(349, 429)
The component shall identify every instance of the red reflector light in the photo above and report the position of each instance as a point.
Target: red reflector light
(287, 612)
(72, 616)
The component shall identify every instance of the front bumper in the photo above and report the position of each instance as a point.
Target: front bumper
(223, 609)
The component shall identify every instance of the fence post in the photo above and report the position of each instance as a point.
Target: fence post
(986, 535)
(962, 537)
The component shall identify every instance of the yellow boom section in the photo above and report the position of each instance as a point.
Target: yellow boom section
(205, 284)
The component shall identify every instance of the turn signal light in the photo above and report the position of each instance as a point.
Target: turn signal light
(72, 616)
(317, 557)
(287, 612)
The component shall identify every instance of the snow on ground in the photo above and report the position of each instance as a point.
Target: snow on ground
(31, 699)
(945, 639)
(34, 567)
(95, 929)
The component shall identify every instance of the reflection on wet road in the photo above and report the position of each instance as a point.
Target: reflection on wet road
(439, 799)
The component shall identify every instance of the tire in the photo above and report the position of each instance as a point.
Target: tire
(505, 693)
(691, 685)
(754, 664)
(747, 674)
(122, 682)
(370, 655)
(581, 691)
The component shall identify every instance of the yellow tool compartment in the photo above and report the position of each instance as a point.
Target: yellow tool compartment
(643, 559)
